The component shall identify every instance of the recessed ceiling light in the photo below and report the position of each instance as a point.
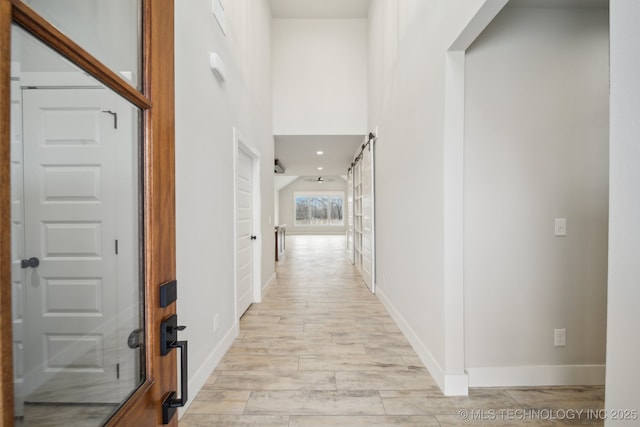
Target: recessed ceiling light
(319, 153)
(320, 168)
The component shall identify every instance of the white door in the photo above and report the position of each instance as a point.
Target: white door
(70, 216)
(244, 231)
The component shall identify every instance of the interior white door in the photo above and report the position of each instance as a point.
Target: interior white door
(244, 231)
(71, 210)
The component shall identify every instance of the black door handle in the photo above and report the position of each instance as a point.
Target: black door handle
(135, 339)
(32, 262)
(254, 237)
(171, 402)
(168, 340)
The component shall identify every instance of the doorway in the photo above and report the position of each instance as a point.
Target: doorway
(247, 231)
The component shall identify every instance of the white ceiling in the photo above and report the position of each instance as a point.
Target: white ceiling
(281, 181)
(298, 153)
(320, 9)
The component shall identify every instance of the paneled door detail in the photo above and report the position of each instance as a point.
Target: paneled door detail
(244, 233)
(72, 150)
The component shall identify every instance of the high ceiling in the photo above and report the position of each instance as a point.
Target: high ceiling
(320, 9)
(299, 153)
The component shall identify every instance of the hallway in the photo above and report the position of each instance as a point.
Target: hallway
(320, 350)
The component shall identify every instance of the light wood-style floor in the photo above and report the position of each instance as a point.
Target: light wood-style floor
(320, 350)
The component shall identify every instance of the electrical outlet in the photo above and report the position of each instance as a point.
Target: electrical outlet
(560, 227)
(559, 337)
(216, 322)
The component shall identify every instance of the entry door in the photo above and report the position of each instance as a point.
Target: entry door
(71, 149)
(144, 407)
(244, 231)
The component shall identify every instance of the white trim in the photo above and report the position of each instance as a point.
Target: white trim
(240, 143)
(544, 375)
(454, 379)
(201, 375)
(452, 384)
(269, 283)
(477, 24)
(453, 206)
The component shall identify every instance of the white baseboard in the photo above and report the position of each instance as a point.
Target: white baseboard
(533, 376)
(450, 384)
(18, 398)
(267, 285)
(456, 385)
(202, 374)
(500, 376)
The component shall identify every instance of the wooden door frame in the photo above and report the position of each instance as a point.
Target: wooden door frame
(157, 102)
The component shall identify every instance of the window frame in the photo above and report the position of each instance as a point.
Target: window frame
(319, 193)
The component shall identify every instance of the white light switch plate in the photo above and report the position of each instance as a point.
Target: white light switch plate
(560, 227)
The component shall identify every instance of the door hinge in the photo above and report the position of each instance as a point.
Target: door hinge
(116, 247)
(115, 117)
(117, 371)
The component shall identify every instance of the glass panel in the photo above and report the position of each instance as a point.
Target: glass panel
(319, 210)
(302, 210)
(110, 30)
(336, 210)
(76, 271)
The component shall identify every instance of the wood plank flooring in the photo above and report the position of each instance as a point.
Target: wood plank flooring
(320, 350)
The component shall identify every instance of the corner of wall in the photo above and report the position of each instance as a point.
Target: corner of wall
(451, 384)
(200, 376)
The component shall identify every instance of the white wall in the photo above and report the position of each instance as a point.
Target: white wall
(623, 341)
(287, 210)
(206, 113)
(408, 41)
(319, 76)
(536, 148)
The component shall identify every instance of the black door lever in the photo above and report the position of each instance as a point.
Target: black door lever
(32, 262)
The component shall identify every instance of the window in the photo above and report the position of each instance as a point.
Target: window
(316, 208)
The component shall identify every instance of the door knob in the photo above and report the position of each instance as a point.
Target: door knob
(32, 262)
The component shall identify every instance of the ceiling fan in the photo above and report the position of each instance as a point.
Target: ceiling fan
(319, 179)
